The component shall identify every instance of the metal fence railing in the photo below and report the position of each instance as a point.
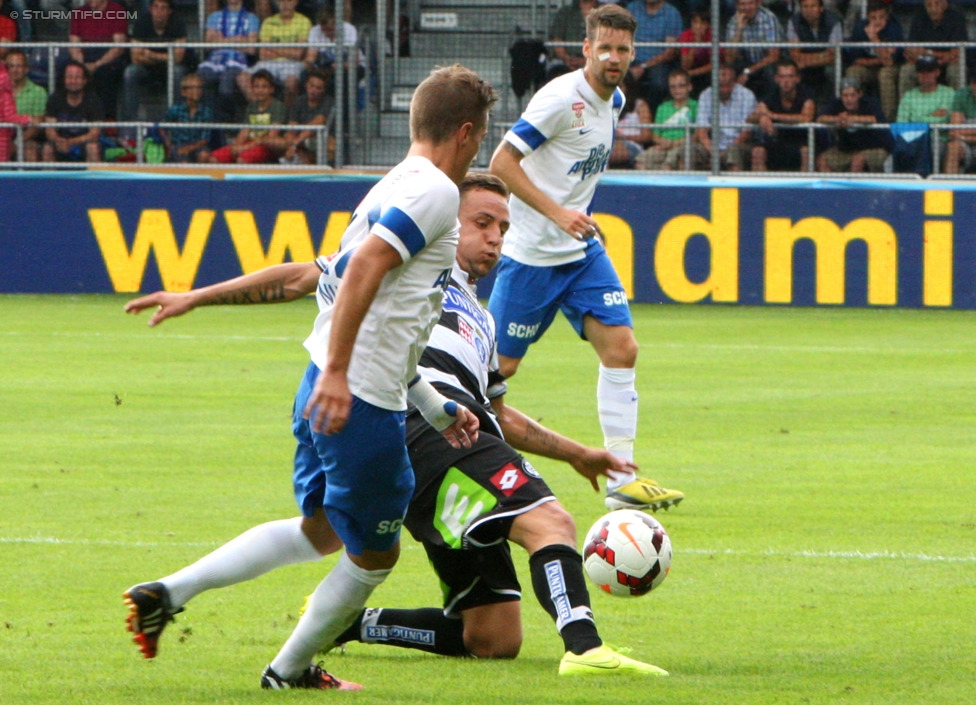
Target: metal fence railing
(361, 103)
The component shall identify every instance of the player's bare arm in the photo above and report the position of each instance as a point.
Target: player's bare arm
(328, 407)
(277, 284)
(506, 163)
(529, 436)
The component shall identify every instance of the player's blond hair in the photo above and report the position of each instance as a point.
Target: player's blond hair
(445, 100)
(612, 17)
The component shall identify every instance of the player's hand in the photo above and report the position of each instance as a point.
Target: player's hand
(597, 461)
(579, 225)
(328, 406)
(464, 431)
(169, 304)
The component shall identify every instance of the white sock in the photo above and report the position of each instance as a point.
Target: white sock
(616, 403)
(253, 553)
(336, 602)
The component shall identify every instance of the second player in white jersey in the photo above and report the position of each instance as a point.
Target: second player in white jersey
(414, 209)
(568, 128)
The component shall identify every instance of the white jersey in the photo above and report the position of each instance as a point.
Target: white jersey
(414, 209)
(461, 352)
(566, 133)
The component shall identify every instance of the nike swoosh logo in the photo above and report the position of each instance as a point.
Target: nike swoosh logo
(583, 132)
(608, 664)
(626, 532)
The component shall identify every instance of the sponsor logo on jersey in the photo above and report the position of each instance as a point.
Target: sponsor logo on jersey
(509, 479)
(465, 331)
(615, 298)
(456, 302)
(519, 330)
(595, 163)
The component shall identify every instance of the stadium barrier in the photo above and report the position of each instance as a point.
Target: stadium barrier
(755, 241)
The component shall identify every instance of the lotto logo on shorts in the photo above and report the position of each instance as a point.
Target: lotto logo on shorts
(508, 479)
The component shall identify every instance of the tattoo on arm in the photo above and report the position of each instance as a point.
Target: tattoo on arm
(538, 437)
(264, 293)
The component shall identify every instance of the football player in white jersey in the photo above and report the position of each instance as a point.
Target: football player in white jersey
(553, 257)
(352, 475)
(470, 502)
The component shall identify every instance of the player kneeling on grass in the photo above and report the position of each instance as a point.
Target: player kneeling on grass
(490, 493)
(469, 502)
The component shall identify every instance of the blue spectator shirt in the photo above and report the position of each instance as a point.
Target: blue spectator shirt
(665, 23)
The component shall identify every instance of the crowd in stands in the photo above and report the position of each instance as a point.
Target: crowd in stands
(768, 96)
(258, 87)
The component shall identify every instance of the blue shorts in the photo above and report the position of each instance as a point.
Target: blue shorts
(361, 476)
(524, 299)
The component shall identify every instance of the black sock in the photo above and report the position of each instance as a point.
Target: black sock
(425, 629)
(557, 578)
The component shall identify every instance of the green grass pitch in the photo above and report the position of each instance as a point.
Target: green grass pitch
(826, 551)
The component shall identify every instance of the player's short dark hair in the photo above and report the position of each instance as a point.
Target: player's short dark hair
(485, 182)
(448, 98)
(612, 17)
(875, 5)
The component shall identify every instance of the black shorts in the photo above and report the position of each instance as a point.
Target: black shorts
(463, 507)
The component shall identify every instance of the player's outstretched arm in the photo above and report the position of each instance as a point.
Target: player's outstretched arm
(528, 436)
(282, 282)
(506, 164)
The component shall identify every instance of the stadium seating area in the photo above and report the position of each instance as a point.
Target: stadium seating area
(398, 42)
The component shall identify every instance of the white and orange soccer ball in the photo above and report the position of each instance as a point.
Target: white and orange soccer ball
(627, 553)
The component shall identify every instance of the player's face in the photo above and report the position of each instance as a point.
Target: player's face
(608, 57)
(484, 222)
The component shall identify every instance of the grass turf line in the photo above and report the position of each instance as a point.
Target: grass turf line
(805, 439)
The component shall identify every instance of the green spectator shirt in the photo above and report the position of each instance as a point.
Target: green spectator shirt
(32, 99)
(274, 114)
(668, 114)
(916, 106)
(964, 102)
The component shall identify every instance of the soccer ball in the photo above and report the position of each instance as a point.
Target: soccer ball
(627, 553)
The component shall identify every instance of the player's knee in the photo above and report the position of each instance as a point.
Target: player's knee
(622, 354)
(561, 526)
(545, 525)
(493, 645)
